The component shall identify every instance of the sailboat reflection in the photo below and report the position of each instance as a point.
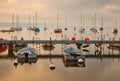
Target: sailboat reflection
(25, 60)
(51, 66)
(48, 47)
(73, 59)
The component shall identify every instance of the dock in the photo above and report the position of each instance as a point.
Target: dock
(60, 56)
(59, 41)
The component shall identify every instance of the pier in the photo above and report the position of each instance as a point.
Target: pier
(97, 43)
(59, 41)
(60, 56)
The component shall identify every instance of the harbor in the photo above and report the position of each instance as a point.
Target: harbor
(58, 40)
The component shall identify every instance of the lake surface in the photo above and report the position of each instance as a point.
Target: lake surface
(94, 70)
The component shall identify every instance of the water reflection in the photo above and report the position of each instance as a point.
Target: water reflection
(47, 47)
(37, 71)
(24, 60)
(51, 66)
(69, 60)
(74, 60)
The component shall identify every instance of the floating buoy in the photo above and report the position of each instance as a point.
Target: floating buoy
(73, 38)
(37, 30)
(87, 39)
(52, 66)
(80, 61)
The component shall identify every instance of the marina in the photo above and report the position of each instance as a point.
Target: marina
(59, 40)
(50, 47)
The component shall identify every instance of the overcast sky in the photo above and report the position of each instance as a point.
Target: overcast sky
(68, 9)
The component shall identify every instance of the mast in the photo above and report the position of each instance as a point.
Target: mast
(45, 23)
(115, 22)
(95, 20)
(29, 19)
(102, 22)
(65, 22)
(81, 20)
(36, 19)
(33, 21)
(13, 20)
(57, 20)
(101, 29)
(16, 20)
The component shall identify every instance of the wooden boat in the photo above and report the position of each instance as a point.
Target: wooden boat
(6, 31)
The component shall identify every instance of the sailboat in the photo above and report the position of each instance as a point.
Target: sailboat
(45, 25)
(94, 29)
(65, 25)
(29, 27)
(101, 28)
(17, 27)
(57, 30)
(51, 66)
(115, 31)
(36, 29)
(82, 25)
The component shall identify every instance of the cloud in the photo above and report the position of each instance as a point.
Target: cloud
(113, 9)
(70, 8)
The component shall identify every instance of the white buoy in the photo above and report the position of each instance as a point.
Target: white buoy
(80, 61)
(52, 66)
(15, 63)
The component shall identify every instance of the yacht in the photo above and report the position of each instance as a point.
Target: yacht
(27, 52)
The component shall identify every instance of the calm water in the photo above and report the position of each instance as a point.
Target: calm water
(95, 69)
